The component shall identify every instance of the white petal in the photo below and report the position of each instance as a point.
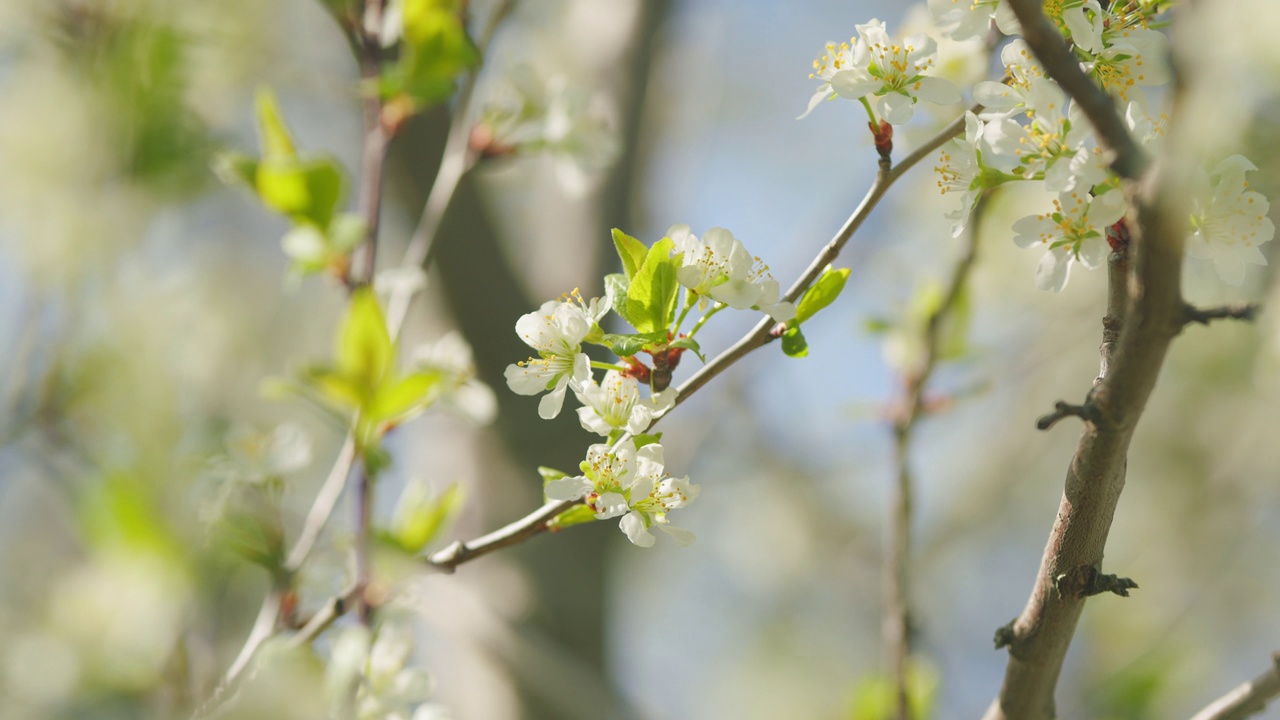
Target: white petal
(528, 380)
(824, 93)
(1230, 268)
(1094, 252)
(633, 525)
(550, 404)
(1053, 270)
(896, 108)
(937, 90)
(611, 505)
(683, 538)
(1028, 231)
(1107, 208)
(569, 488)
(591, 420)
(737, 294)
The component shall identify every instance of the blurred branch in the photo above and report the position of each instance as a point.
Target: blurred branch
(457, 161)
(897, 560)
(375, 137)
(1239, 311)
(1149, 314)
(1247, 699)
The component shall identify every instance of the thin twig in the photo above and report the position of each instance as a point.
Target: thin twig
(1247, 699)
(897, 563)
(1203, 316)
(375, 137)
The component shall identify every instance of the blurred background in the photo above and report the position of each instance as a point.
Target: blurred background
(142, 303)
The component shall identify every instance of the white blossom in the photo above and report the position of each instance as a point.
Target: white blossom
(959, 167)
(718, 267)
(873, 65)
(602, 485)
(615, 404)
(1075, 230)
(1229, 221)
(652, 496)
(555, 331)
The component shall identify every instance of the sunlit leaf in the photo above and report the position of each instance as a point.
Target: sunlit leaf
(419, 518)
(651, 298)
(631, 251)
(821, 294)
(364, 353)
(273, 134)
(395, 400)
(435, 52)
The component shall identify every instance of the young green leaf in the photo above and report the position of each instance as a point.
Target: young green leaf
(690, 344)
(794, 344)
(549, 473)
(306, 191)
(646, 439)
(436, 50)
(616, 287)
(821, 294)
(397, 400)
(651, 298)
(273, 134)
(419, 518)
(576, 515)
(364, 353)
(631, 251)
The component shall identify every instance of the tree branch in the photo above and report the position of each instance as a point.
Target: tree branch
(375, 138)
(1247, 699)
(1150, 317)
(1203, 316)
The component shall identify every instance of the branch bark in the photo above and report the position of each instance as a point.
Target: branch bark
(1247, 699)
(1150, 317)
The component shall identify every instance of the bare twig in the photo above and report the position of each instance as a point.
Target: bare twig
(1247, 699)
(1238, 311)
(1087, 412)
(375, 137)
(448, 559)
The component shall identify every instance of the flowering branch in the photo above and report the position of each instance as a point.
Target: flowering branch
(1146, 304)
(536, 522)
(1129, 160)
(1247, 699)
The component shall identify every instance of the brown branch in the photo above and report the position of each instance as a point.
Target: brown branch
(448, 559)
(1062, 410)
(375, 137)
(1247, 699)
(1149, 318)
(1203, 316)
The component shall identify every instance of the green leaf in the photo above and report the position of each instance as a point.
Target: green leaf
(336, 389)
(690, 344)
(548, 474)
(631, 251)
(397, 400)
(875, 697)
(375, 459)
(821, 294)
(419, 518)
(436, 50)
(365, 354)
(616, 287)
(306, 191)
(646, 439)
(651, 298)
(628, 345)
(234, 168)
(273, 134)
(576, 515)
(877, 325)
(794, 344)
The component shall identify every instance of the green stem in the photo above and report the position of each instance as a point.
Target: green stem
(702, 320)
(688, 305)
(875, 121)
(607, 366)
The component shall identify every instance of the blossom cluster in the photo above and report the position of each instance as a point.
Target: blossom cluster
(1028, 130)
(661, 286)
